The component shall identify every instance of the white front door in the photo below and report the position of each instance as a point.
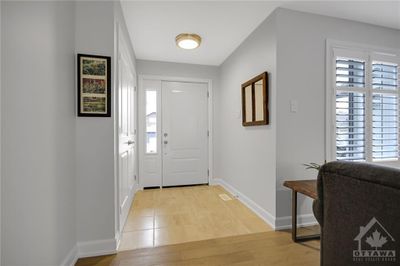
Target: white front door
(173, 133)
(184, 133)
(126, 135)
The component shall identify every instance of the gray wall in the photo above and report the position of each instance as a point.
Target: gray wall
(146, 67)
(58, 179)
(291, 46)
(38, 132)
(119, 20)
(245, 156)
(58, 175)
(95, 135)
(301, 67)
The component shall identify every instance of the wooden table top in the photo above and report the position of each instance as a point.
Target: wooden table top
(306, 187)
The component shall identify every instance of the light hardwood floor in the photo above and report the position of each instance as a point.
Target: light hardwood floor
(268, 248)
(209, 231)
(185, 214)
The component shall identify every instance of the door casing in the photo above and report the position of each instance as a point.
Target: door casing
(157, 78)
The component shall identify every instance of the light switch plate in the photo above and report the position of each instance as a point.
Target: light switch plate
(294, 106)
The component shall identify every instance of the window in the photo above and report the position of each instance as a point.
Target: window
(151, 121)
(366, 90)
(385, 114)
(350, 109)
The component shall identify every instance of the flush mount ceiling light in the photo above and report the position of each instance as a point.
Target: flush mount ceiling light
(188, 41)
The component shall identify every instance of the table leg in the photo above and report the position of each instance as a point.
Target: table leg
(296, 238)
(294, 215)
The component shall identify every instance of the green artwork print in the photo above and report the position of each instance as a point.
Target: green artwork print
(94, 104)
(94, 67)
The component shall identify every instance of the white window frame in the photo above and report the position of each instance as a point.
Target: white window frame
(367, 54)
(158, 107)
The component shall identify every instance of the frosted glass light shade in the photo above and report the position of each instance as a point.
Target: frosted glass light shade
(188, 41)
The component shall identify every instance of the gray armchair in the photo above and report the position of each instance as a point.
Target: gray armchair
(358, 208)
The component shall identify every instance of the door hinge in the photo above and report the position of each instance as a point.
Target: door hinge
(135, 177)
(208, 172)
(135, 88)
(134, 132)
(208, 133)
(208, 94)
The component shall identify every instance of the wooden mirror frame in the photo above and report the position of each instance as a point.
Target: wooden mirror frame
(265, 121)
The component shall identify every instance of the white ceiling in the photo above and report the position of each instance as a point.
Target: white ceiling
(223, 25)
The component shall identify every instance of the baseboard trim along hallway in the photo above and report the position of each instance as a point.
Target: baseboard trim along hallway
(277, 223)
(90, 249)
(109, 246)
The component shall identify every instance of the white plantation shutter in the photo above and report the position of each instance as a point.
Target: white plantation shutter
(350, 126)
(350, 109)
(384, 76)
(385, 112)
(367, 106)
(350, 73)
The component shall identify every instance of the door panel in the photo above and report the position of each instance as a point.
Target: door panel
(126, 135)
(184, 133)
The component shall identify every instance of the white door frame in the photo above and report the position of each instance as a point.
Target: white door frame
(0, 144)
(120, 40)
(209, 108)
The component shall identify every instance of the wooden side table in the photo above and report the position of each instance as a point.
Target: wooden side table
(305, 187)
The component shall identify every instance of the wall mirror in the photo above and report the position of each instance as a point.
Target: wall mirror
(255, 101)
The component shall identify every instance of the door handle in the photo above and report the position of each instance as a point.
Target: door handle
(130, 142)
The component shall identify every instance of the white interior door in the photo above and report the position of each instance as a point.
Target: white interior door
(184, 133)
(126, 135)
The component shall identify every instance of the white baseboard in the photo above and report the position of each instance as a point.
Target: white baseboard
(97, 248)
(277, 223)
(135, 189)
(71, 257)
(282, 223)
(263, 214)
(118, 237)
(90, 249)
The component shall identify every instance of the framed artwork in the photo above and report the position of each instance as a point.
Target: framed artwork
(255, 101)
(94, 85)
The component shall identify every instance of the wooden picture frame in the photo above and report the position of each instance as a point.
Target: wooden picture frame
(255, 101)
(94, 85)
